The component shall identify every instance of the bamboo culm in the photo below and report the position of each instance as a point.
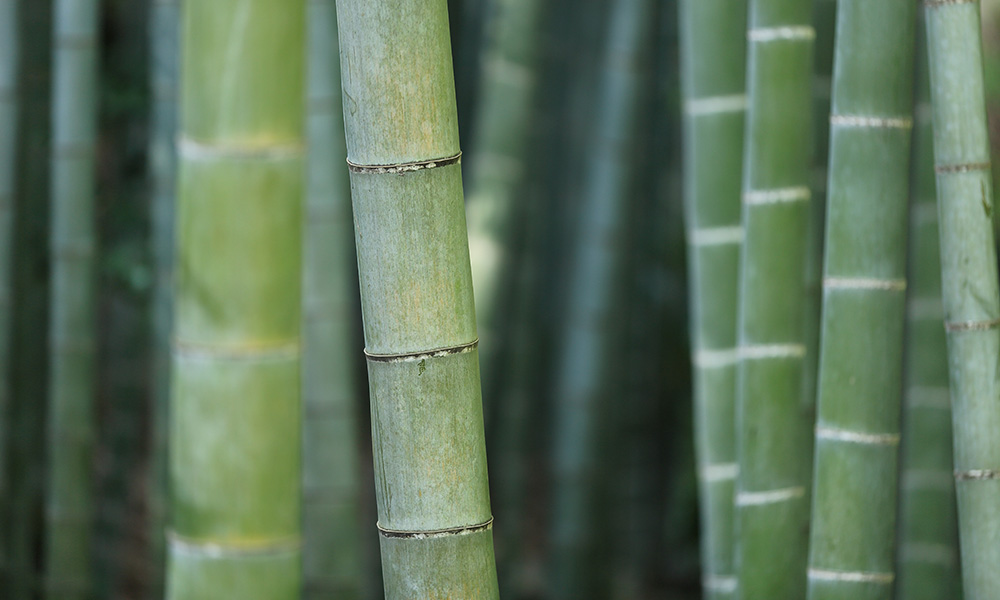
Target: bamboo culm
(773, 421)
(968, 281)
(235, 419)
(432, 492)
(586, 365)
(332, 556)
(9, 50)
(853, 533)
(927, 554)
(713, 58)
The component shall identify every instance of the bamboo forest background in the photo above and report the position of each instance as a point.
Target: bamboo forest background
(570, 125)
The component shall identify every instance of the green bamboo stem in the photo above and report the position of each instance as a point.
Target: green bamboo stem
(927, 556)
(164, 37)
(587, 362)
(235, 447)
(332, 565)
(864, 279)
(969, 281)
(416, 295)
(498, 168)
(773, 421)
(72, 341)
(714, 79)
(9, 55)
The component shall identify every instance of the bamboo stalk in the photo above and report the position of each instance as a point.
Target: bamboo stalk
(72, 342)
(332, 564)
(773, 421)
(714, 80)
(587, 362)
(163, 36)
(416, 296)
(235, 447)
(9, 132)
(969, 281)
(864, 279)
(927, 557)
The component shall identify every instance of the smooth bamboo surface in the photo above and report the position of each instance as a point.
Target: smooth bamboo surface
(852, 543)
(713, 46)
(235, 446)
(773, 421)
(968, 281)
(434, 516)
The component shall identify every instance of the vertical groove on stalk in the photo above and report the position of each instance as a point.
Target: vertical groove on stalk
(714, 83)
(9, 131)
(235, 419)
(857, 427)
(429, 450)
(927, 552)
(332, 557)
(587, 362)
(164, 36)
(773, 422)
(969, 281)
(72, 337)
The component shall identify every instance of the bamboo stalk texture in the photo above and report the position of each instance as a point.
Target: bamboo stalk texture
(432, 492)
(235, 421)
(713, 47)
(968, 281)
(773, 421)
(853, 532)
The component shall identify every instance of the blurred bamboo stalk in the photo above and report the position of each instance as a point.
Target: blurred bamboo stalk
(235, 423)
(773, 421)
(853, 531)
(9, 131)
(332, 556)
(592, 328)
(164, 35)
(927, 557)
(429, 449)
(969, 280)
(714, 82)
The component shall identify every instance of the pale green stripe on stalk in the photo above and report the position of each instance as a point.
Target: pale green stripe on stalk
(332, 555)
(851, 554)
(969, 281)
(713, 54)
(417, 302)
(235, 422)
(773, 422)
(72, 333)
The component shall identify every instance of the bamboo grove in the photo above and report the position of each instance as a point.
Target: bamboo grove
(480, 299)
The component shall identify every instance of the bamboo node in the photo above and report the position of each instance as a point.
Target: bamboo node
(857, 437)
(874, 122)
(977, 475)
(760, 352)
(770, 496)
(233, 549)
(719, 472)
(423, 354)
(938, 3)
(864, 283)
(716, 359)
(713, 105)
(434, 533)
(794, 33)
(723, 584)
(777, 195)
(193, 150)
(851, 576)
(277, 350)
(716, 236)
(397, 168)
(959, 326)
(962, 168)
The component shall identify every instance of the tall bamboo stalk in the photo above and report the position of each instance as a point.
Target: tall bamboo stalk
(773, 424)
(416, 295)
(587, 361)
(235, 418)
(714, 80)
(969, 281)
(9, 55)
(332, 565)
(72, 341)
(927, 557)
(164, 37)
(864, 280)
